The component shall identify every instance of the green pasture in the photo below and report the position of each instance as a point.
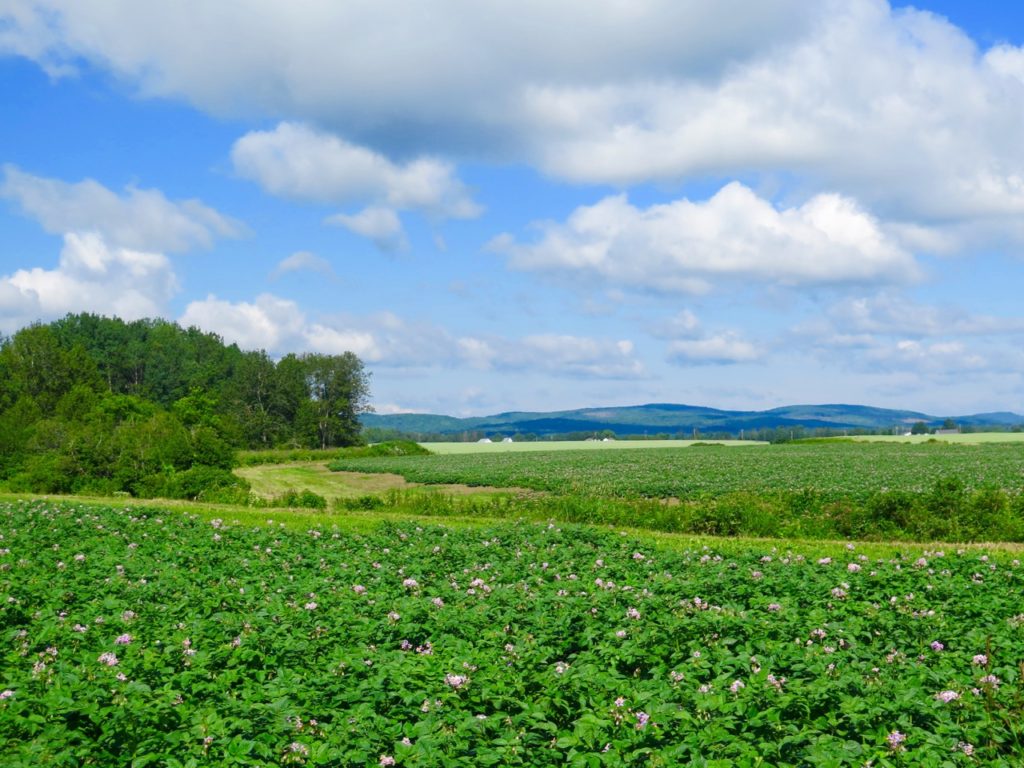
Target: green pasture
(964, 438)
(836, 470)
(455, 449)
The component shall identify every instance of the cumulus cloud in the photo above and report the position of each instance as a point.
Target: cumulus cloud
(892, 314)
(92, 276)
(684, 246)
(387, 340)
(569, 355)
(269, 323)
(113, 258)
(141, 219)
(302, 261)
(894, 107)
(888, 332)
(392, 69)
(720, 349)
(297, 161)
(926, 357)
(684, 324)
(381, 225)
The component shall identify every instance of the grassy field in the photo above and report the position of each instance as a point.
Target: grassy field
(966, 438)
(838, 470)
(455, 449)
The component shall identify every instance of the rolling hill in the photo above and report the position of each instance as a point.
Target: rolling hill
(658, 418)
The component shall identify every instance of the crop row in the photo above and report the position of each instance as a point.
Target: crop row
(134, 638)
(834, 470)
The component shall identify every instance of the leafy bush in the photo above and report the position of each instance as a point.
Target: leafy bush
(389, 448)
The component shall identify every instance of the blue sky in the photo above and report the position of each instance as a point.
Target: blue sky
(536, 205)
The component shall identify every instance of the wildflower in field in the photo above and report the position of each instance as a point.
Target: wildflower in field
(638, 556)
(108, 658)
(776, 682)
(438, 602)
(6, 694)
(128, 615)
(896, 740)
(456, 681)
(756, 575)
(386, 760)
(632, 613)
(359, 589)
(965, 747)
(675, 677)
(737, 686)
(621, 634)
(853, 568)
(561, 668)
(124, 639)
(947, 696)
(774, 607)
(825, 561)
(296, 752)
(410, 583)
(641, 720)
(980, 659)
(991, 681)
(620, 702)
(79, 628)
(937, 646)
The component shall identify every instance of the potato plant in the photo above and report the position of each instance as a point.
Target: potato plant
(148, 638)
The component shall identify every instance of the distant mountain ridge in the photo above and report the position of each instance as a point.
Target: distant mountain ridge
(671, 418)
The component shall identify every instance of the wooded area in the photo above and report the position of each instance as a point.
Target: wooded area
(96, 404)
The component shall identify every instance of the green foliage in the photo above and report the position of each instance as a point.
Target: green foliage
(304, 499)
(95, 403)
(143, 637)
(837, 490)
(388, 448)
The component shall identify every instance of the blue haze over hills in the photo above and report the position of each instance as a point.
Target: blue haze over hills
(681, 419)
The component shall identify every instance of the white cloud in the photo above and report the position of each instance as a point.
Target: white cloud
(385, 409)
(91, 276)
(896, 108)
(573, 356)
(891, 314)
(381, 225)
(269, 323)
(720, 349)
(447, 72)
(387, 340)
(142, 219)
(683, 325)
(685, 246)
(936, 357)
(297, 161)
(302, 261)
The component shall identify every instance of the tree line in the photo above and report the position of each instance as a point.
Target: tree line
(97, 404)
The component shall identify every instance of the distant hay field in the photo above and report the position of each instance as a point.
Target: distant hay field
(449, 449)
